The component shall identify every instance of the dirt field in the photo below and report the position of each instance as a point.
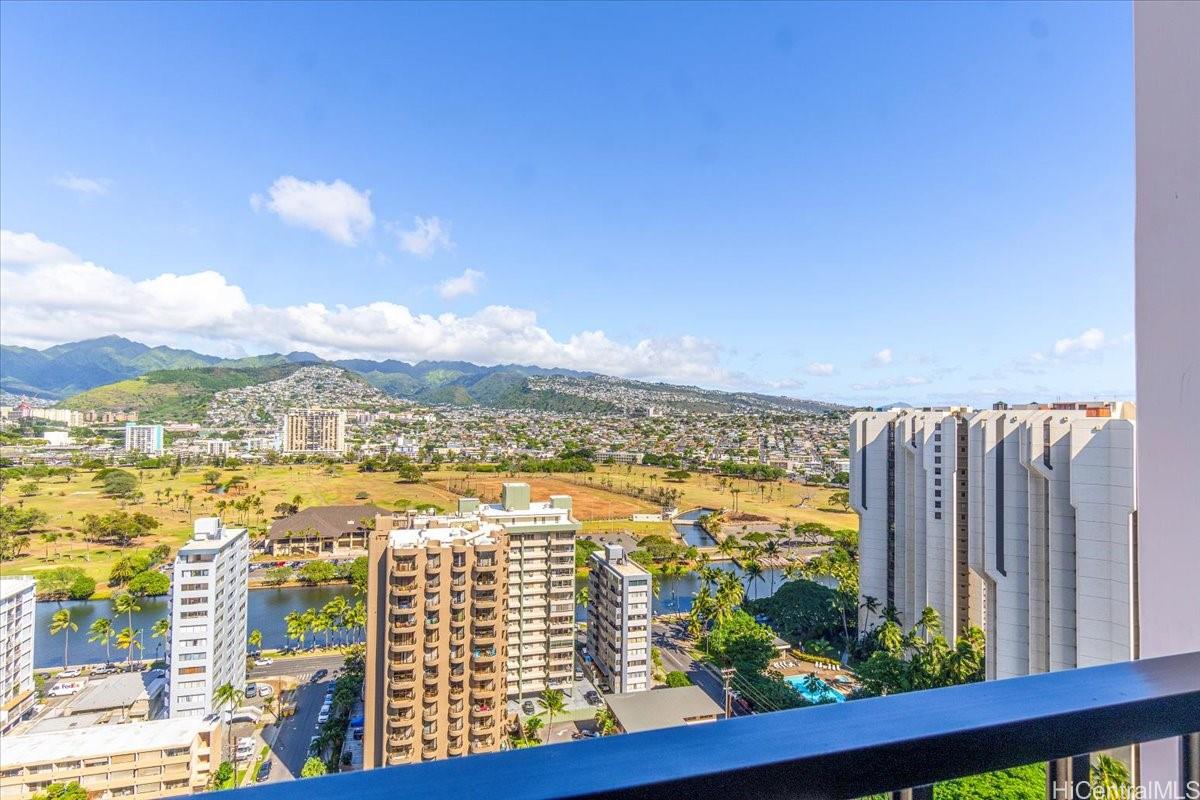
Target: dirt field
(588, 502)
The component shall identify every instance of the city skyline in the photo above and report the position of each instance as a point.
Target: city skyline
(429, 207)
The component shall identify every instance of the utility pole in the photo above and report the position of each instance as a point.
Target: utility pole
(727, 674)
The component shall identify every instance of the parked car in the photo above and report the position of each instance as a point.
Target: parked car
(592, 697)
(318, 675)
(312, 745)
(262, 661)
(264, 771)
(251, 690)
(104, 669)
(73, 672)
(65, 689)
(265, 691)
(528, 707)
(323, 717)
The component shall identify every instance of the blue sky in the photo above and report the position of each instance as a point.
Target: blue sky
(857, 202)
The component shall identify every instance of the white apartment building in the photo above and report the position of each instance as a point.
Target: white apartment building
(212, 447)
(1017, 521)
(908, 486)
(207, 645)
(1053, 533)
(619, 619)
(143, 438)
(17, 697)
(541, 587)
(313, 430)
(161, 758)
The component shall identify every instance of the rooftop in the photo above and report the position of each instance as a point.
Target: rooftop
(208, 534)
(10, 587)
(663, 708)
(92, 740)
(117, 691)
(326, 520)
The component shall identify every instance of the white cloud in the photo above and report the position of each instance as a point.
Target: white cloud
(1087, 342)
(27, 248)
(467, 283)
(49, 296)
(819, 369)
(82, 185)
(336, 209)
(882, 358)
(427, 236)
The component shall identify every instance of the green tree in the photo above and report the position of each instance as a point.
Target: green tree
(127, 639)
(102, 631)
(255, 639)
(840, 498)
(533, 728)
(316, 572)
(553, 703)
(675, 678)
(62, 791)
(1110, 778)
(65, 583)
(61, 623)
(150, 583)
(278, 575)
(313, 768)
(228, 697)
(160, 630)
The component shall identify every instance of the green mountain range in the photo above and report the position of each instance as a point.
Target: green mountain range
(167, 383)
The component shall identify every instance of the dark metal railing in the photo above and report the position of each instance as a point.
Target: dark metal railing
(844, 750)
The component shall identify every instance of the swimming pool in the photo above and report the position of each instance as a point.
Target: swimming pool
(824, 693)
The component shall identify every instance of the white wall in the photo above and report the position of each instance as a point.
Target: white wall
(1167, 242)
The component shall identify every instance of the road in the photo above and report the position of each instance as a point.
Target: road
(672, 642)
(299, 667)
(290, 749)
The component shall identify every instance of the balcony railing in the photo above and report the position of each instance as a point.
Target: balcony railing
(842, 750)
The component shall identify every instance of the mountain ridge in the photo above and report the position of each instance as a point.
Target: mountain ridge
(111, 370)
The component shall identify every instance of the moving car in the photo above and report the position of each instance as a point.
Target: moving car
(318, 675)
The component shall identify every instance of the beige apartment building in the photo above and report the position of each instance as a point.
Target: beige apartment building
(162, 758)
(437, 643)
(313, 430)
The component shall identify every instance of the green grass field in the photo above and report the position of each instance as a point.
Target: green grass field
(598, 508)
(67, 503)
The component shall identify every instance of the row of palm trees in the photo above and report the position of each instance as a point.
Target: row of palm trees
(339, 621)
(102, 630)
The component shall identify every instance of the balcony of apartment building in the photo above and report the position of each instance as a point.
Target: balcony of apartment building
(404, 565)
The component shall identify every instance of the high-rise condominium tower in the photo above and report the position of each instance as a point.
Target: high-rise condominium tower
(143, 438)
(541, 588)
(435, 682)
(207, 645)
(17, 696)
(1019, 521)
(619, 619)
(313, 430)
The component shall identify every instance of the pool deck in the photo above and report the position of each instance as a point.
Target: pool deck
(787, 666)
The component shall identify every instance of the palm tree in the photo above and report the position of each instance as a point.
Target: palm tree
(61, 623)
(255, 639)
(127, 639)
(160, 630)
(228, 695)
(1112, 775)
(126, 603)
(552, 700)
(533, 727)
(102, 630)
(336, 611)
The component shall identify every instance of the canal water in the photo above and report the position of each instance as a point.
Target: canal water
(266, 609)
(693, 534)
